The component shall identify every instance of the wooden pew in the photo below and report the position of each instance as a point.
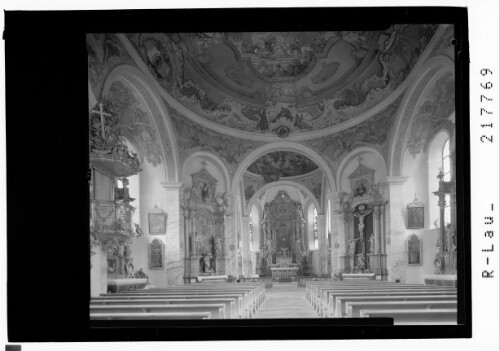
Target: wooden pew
(340, 310)
(243, 310)
(353, 308)
(322, 296)
(250, 303)
(322, 303)
(149, 316)
(255, 290)
(325, 311)
(217, 310)
(414, 317)
(230, 304)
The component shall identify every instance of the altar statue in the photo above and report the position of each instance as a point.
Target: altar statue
(372, 247)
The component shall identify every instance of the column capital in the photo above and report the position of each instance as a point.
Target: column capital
(172, 185)
(397, 180)
(333, 195)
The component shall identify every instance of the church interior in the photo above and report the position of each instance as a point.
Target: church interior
(260, 174)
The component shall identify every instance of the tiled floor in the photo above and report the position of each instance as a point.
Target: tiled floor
(286, 300)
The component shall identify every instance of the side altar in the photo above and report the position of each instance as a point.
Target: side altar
(205, 216)
(363, 211)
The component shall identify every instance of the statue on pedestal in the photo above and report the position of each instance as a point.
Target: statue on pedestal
(372, 244)
(351, 252)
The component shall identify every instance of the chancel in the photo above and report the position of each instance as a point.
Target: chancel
(273, 175)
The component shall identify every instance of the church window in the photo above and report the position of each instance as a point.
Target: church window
(251, 232)
(446, 169)
(316, 231)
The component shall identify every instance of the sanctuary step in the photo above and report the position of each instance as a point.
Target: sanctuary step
(286, 300)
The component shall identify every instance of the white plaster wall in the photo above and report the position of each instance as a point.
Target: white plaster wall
(152, 193)
(256, 219)
(416, 168)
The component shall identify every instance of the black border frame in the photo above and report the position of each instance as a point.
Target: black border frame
(47, 154)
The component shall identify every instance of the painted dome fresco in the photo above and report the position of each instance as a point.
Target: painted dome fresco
(259, 82)
(287, 163)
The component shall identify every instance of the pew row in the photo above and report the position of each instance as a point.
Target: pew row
(216, 311)
(149, 316)
(231, 304)
(340, 301)
(414, 317)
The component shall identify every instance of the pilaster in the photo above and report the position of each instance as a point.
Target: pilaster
(396, 240)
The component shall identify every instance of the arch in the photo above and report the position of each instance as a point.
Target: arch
(142, 85)
(211, 157)
(283, 146)
(350, 156)
(427, 75)
(281, 182)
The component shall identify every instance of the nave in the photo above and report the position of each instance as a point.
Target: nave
(411, 304)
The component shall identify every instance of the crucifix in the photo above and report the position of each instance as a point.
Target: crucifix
(361, 216)
(102, 114)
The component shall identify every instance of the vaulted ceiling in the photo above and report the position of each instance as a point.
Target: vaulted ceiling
(305, 81)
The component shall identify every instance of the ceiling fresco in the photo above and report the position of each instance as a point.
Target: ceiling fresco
(434, 112)
(373, 132)
(287, 163)
(258, 81)
(192, 137)
(135, 122)
(104, 52)
(312, 181)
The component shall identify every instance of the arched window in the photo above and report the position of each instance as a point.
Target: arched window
(446, 169)
(316, 231)
(438, 159)
(250, 232)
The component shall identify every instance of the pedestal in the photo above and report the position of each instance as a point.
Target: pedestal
(377, 263)
(123, 285)
(358, 276)
(221, 266)
(441, 280)
(284, 272)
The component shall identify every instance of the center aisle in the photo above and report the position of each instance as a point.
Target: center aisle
(286, 300)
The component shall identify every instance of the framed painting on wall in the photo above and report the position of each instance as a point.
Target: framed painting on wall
(157, 221)
(156, 254)
(414, 247)
(415, 215)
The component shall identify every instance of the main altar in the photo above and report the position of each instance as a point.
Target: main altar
(284, 252)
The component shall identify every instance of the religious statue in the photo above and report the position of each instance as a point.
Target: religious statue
(218, 246)
(140, 274)
(204, 192)
(129, 269)
(351, 252)
(269, 245)
(299, 246)
(138, 230)
(372, 244)
(360, 189)
(352, 246)
(197, 244)
(202, 264)
(451, 247)
(361, 267)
